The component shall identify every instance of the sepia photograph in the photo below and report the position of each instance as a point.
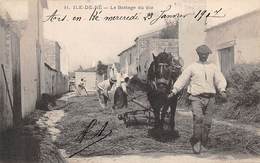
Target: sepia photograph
(131, 81)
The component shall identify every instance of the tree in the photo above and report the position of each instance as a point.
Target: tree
(101, 68)
(170, 32)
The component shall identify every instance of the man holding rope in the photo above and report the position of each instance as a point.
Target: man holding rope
(204, 81)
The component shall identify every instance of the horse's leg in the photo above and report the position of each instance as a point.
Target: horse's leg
(173, 104)
(156, 117)
(125, 100)
(164, 111)
(115, 100)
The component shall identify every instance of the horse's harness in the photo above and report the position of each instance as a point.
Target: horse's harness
(161, 80)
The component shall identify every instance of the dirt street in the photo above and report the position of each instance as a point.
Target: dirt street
(76, 134)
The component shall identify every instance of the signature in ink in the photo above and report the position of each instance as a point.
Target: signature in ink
(85, 135)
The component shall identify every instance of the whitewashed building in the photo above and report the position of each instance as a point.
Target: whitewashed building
(89, 79)
(235, 41)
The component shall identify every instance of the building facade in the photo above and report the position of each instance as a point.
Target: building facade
(9, 76)
(89, 80)
(31, 47)
(191, 31)
(52, 54)
(21, 61)
(55, 82)
(235, 41)
(137, 59)
(128, 60)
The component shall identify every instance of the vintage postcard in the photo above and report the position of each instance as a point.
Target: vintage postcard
(130, 81)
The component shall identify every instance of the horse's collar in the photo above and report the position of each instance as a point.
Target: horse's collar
(162, 64)
(162, 80)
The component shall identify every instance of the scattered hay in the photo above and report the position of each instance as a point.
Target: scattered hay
(135, 139)
(243, 94)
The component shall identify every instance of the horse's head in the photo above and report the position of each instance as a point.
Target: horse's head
(162, 72)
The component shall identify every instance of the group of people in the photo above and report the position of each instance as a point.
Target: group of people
(204, 80)
(105, 86)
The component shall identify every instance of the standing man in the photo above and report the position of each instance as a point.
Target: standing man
(204, 81)
(102, 90)
(124, 83)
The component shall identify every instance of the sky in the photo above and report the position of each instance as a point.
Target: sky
(85, 42)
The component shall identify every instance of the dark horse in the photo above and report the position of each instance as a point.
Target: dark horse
(162, 74)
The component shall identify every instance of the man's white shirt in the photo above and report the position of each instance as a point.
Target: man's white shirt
(104, 86)
(201, 78)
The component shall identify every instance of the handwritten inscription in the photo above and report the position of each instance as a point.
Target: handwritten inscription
(55, 17)
(88, 134)
(205, 13)
(95, 15)
(98, 14)
(164, 15)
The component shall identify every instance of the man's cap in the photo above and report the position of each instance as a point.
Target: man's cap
(204, 49)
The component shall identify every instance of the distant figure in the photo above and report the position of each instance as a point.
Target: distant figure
(120, 97)
(102, 91)
(82, 83)
(204, 80)
(72, 84)
(81, 87)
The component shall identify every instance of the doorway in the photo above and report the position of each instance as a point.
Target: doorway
(227, 59)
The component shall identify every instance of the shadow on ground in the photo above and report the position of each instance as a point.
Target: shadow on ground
(29, 142)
